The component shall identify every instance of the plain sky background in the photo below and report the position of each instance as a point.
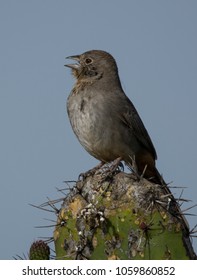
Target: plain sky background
(155, 46)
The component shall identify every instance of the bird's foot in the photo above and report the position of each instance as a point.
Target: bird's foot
(110, 169)
(91, 172)
(105, 169)
(116, 165)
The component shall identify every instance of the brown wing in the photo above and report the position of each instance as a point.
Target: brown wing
(131, 119)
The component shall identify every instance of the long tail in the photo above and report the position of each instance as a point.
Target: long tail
(173, 205)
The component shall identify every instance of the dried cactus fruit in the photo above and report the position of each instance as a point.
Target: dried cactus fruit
(39, 250)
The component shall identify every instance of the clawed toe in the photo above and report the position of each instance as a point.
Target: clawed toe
(106, 169)
(91, 172)
(116, 165)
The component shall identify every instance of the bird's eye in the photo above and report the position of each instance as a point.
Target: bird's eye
(88, 60)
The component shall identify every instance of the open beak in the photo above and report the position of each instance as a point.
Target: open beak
(73, 65)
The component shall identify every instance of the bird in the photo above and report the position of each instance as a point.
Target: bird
(108, 125)
(104, 119)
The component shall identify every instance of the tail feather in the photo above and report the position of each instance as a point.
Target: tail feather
(173, 206)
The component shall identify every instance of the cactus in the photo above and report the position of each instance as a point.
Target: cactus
(120, 216)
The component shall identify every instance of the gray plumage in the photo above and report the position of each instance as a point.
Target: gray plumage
(103, 118)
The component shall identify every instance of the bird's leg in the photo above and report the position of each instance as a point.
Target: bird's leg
(132, 165)
(90, 172)
(108, 170)
(116, 164)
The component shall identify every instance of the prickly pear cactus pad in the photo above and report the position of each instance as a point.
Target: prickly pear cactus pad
(114, 215)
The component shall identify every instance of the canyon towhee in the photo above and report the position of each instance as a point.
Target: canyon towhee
(104, 119)
(106, 122)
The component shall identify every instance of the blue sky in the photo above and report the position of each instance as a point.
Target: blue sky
(154, 43)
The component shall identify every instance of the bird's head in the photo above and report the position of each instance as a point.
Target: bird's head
(93, 65)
